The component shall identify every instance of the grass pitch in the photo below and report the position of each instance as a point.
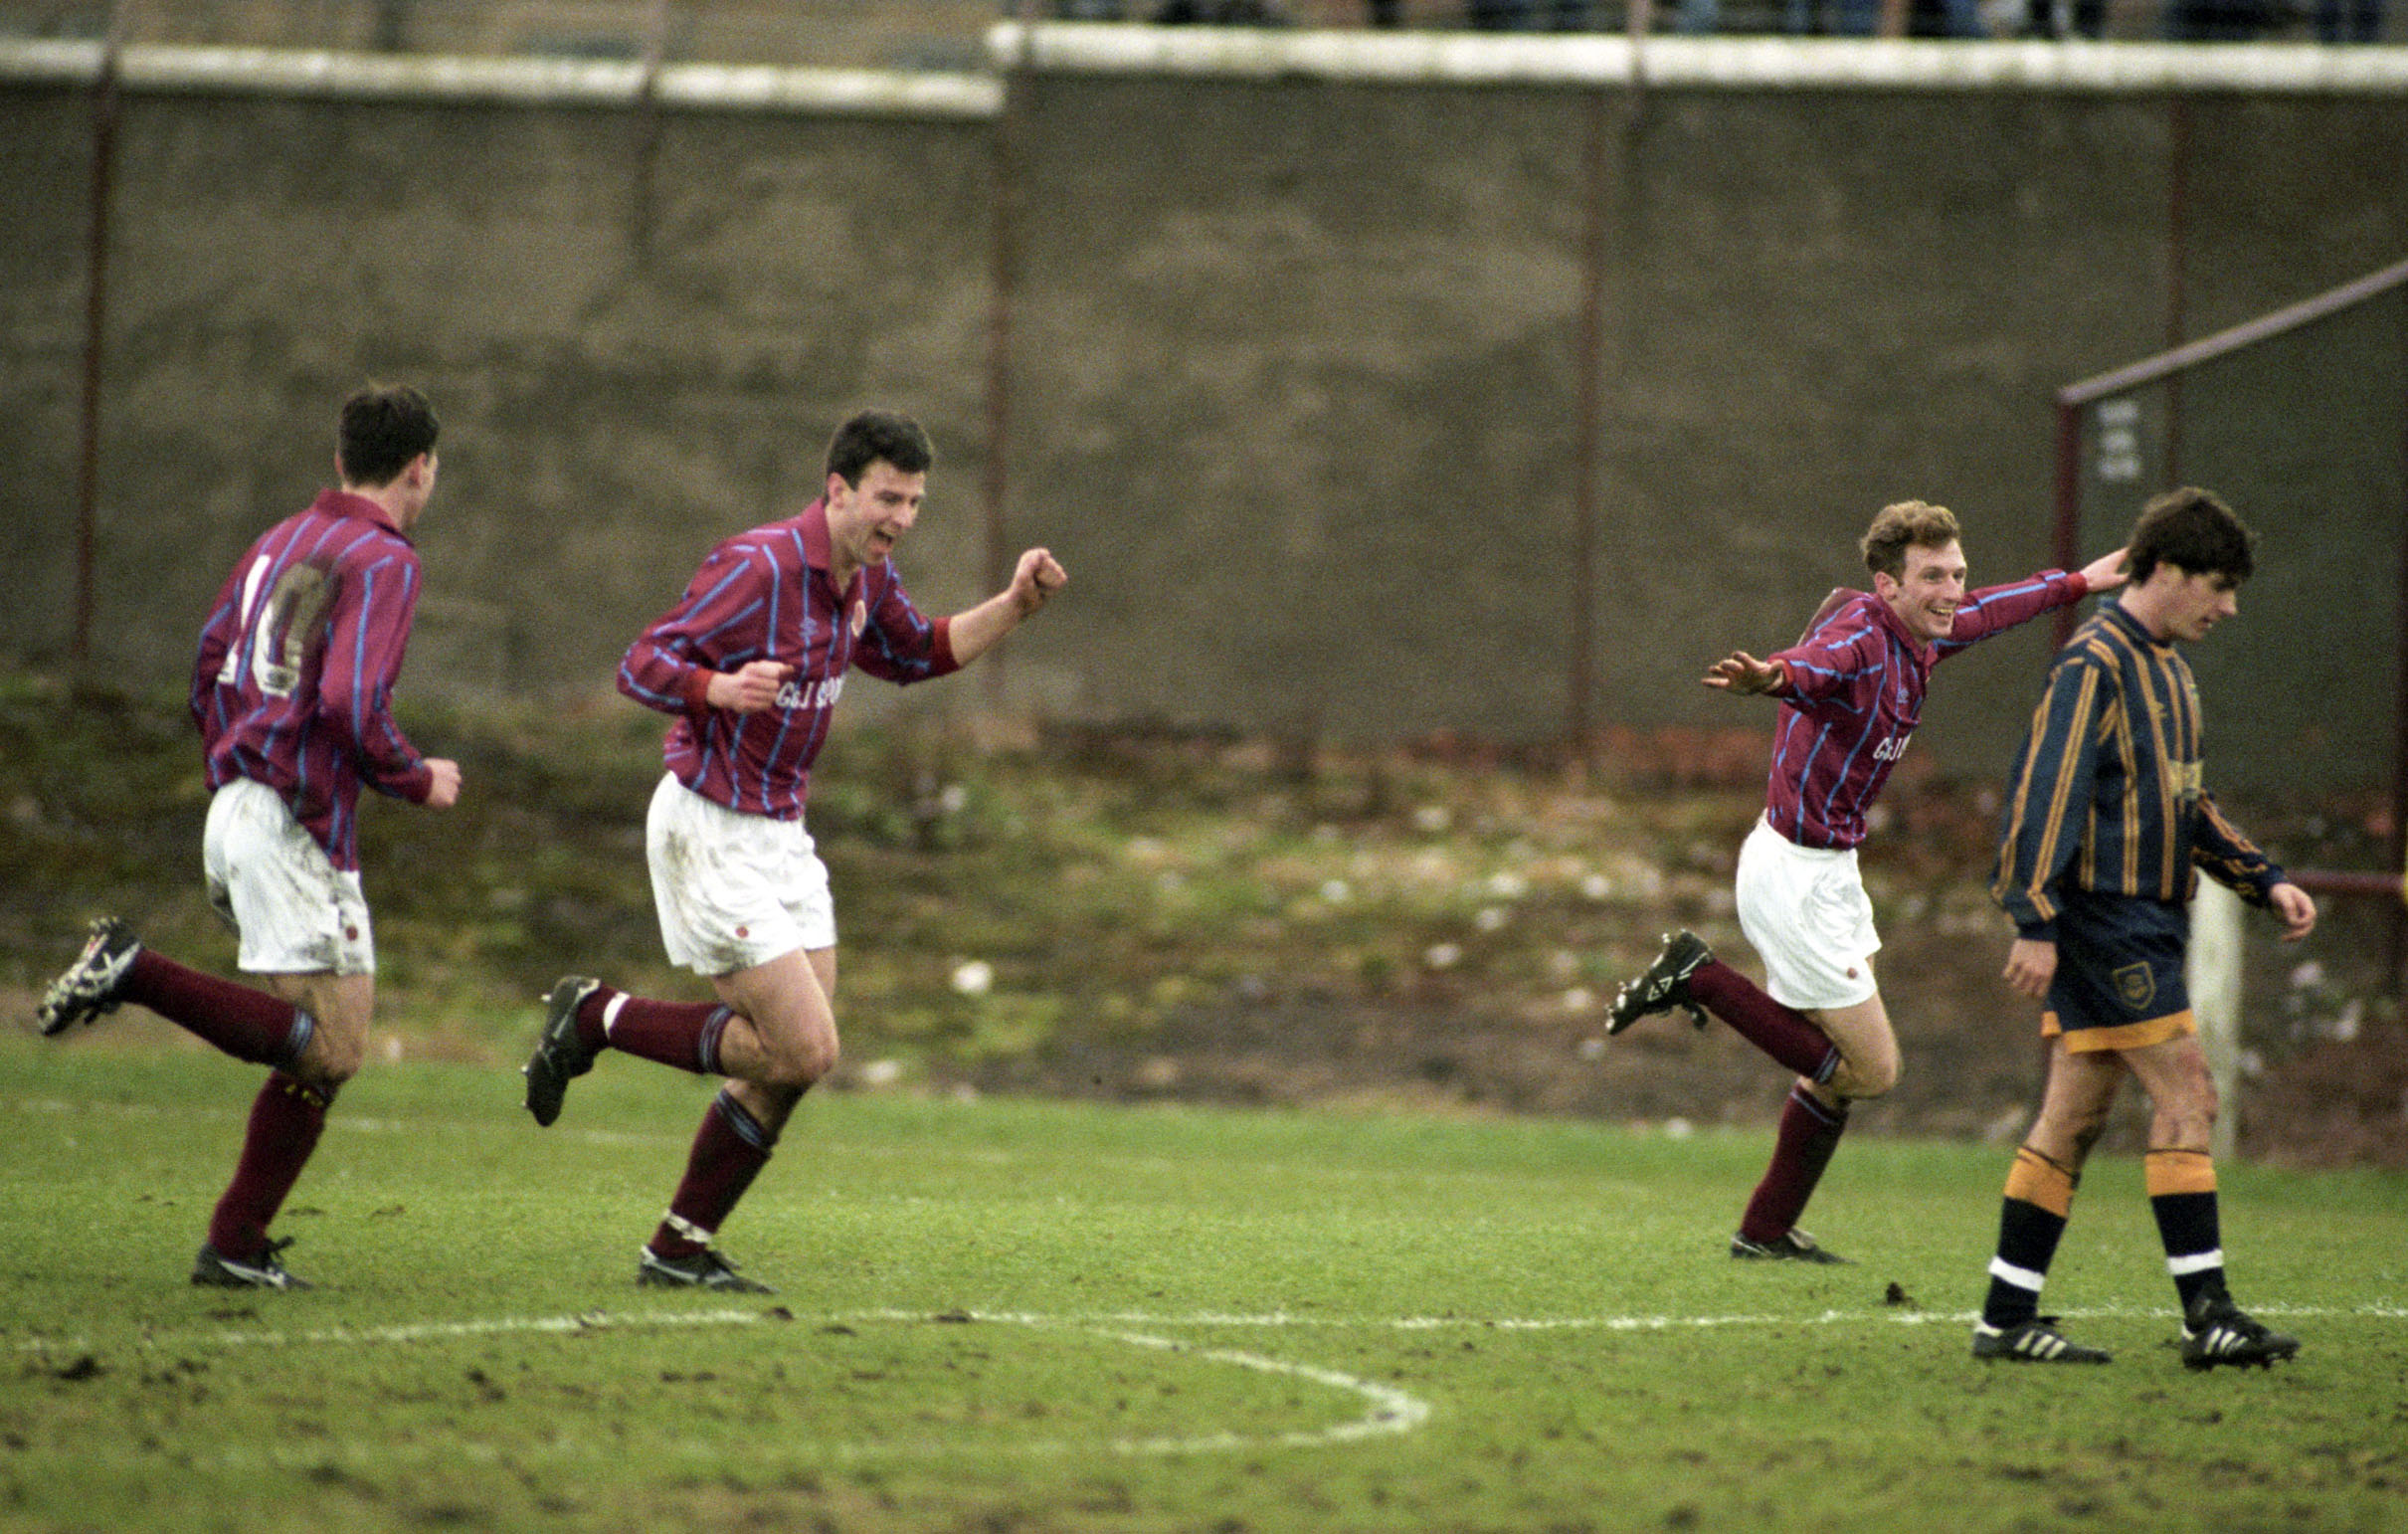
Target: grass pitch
(1010, 1315)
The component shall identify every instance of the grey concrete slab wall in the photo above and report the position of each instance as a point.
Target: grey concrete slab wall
(638, 334)
(1295, 347)
(45, 185)
(1299, 394)
(1324, 337)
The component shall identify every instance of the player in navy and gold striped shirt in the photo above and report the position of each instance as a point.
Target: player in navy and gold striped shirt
(2106, 797)
(2107, 826)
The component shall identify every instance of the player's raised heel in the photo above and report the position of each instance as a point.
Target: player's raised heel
(92, 984)
(560, 1055)
(1664, 985)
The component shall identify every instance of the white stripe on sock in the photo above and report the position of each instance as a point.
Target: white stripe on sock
(2021, 1278)
(2196, 1262)
(610, 1012)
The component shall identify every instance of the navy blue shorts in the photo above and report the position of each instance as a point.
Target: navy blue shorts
(2119, 982)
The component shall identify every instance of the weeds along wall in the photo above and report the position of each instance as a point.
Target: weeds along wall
(1353, 377)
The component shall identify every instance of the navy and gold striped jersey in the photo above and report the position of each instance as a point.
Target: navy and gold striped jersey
(2106, 795)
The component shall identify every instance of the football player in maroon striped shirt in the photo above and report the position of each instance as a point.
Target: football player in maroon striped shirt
(750, 663)
(293, 693)
(1851, 691)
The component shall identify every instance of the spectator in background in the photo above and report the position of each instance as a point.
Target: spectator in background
(2219, 21)
(1884, 18)
(2349, 21)
(1220, 13)
(1530, 14)
(2060, 19)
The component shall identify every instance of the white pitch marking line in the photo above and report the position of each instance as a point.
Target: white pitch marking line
(1391, 1411)
(596, 1321)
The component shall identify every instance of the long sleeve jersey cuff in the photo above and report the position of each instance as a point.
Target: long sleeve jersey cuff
(2259, 890)
(414, 787)
(696, 687)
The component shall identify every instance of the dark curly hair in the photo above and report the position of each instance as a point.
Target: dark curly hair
(2193, 531)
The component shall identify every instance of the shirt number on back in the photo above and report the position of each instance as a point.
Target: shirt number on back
(280, 629)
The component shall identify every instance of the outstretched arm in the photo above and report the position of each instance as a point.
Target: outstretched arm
(1740, 672)
(1035, 581)
(2107, 572)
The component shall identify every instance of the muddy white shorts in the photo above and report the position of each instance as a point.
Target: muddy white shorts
(295, 911)
(733, 889)
(1805, 911)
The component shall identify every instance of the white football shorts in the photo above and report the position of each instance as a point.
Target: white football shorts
(295, 911)
(733, 889)
(1805, 911)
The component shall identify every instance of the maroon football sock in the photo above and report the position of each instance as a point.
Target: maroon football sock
(1809, 1133)
(1783, 1032)
(680, 1034)
(730, 1149)
(592, 1030)
(286, 1120)
(247, 1024)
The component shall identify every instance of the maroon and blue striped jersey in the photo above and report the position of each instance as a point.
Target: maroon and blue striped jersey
(294, 683)
(767, 595)
(1852, 693)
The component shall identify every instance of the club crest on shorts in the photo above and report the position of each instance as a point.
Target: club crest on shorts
(2135, 985)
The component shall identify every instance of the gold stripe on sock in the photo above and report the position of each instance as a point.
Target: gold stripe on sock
(2179, 1170)
(2037, 1180)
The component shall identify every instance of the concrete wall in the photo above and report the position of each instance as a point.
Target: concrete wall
(639, 337)
(1296, 343)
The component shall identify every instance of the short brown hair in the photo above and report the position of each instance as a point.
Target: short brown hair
(1907, 525)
